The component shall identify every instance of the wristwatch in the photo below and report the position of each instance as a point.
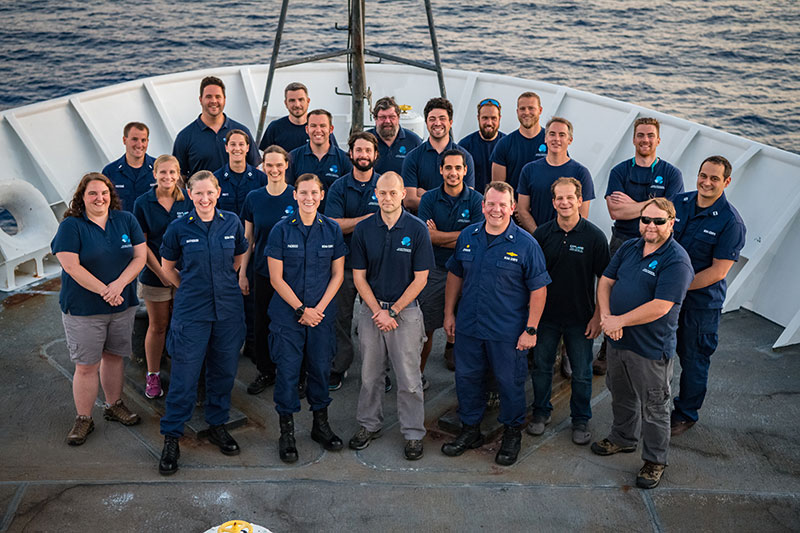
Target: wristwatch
(530, 330)
(392, 313)
(298, 313)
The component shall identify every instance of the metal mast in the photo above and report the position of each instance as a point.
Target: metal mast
(356, 52)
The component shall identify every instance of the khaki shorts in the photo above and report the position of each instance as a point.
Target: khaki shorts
(150, 293)
(89, 336)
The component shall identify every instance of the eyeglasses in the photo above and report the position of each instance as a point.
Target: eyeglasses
(490, 101)
(657, 221)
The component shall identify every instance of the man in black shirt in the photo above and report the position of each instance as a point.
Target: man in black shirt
(576, 253)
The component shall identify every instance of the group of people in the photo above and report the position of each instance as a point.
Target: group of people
(486, 238)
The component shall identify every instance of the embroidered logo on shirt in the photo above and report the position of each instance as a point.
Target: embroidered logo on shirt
(651, 267)
(575, 248)
(181, 214)
(511, 256)
(190, 241)
(327, 246)
(466, 249)
(542, 147)
(125, 238)
(289, 210)
(659, 180)
(227, 237)
(405, 242)
(292, 246)
(709, 232)
(334, 168)
(402, 150)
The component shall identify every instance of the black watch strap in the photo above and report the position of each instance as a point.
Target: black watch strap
(530, 330)
(298, 313)
(392, 313)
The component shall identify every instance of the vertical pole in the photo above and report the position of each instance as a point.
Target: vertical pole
(271, 73)
(435, 46)
(358, 74)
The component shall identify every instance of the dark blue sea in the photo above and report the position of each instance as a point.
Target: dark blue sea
(729, 64)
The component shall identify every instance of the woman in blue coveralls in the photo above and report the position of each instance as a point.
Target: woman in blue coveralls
(263, 208)
(207, 316)
(154, 210)
(101, 250)
(306, 268)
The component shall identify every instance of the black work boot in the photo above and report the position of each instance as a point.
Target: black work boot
(469, 438)
(168, 464)
(509, 447)
(286, 445)
(321, 431)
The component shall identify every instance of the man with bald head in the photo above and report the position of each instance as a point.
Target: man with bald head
(391, 255)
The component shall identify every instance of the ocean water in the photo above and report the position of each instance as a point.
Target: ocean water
(729, 64)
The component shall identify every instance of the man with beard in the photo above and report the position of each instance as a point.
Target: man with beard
(421, 167)
(201, 144)
(446, 210)
(639, 296)
(394, 141)
(631, 184)
(521, 146)
(132, 174)
(351, 199)
(481, 143)
(289, 132)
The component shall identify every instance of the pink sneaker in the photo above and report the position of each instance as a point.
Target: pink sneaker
(153, 388)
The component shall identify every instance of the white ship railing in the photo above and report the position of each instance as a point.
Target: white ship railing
(52, 144)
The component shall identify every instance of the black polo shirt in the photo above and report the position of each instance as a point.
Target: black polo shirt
(574, 261)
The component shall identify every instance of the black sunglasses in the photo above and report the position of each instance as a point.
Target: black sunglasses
(657, 221)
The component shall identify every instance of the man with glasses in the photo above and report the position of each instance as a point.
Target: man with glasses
(394, 142)
(713, 234)
(639, 296)
(630, 185)
(481, 143)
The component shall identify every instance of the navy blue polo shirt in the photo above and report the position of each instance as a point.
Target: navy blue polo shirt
(105, 253)
(392, 157)
(421, 167)
(198, 147)
(391, 256)
(264, 210)
(481, 152)
(575, 259)
(514, 151)
(498, 279)
(332, 166)
(286, 134)
(350, 198)
(716, 232)
(307, 253)
(234, 186)
(209, 288)
(130, 183)
(538, 176)
(664, 275)
(450, 213)
(642, 183)
(154, 220)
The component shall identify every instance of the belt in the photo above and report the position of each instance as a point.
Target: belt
(387, 305)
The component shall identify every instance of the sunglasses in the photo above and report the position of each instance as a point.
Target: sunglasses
(657, 221)
(491, 101)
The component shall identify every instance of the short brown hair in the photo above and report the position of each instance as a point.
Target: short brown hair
(138, 125)
(567, 181)
(560, 120)
(308, 176)
(501, 186)
(275, 149)
(650, 121)
(211, 80)
(237, 132)
(77, 208)
(322, 112)
(529, 94)
(295, 86)
(718, 160)
(661, 203)
(387, 102)
(364, 135)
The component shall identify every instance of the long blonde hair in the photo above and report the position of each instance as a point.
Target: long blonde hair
(177, 193)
